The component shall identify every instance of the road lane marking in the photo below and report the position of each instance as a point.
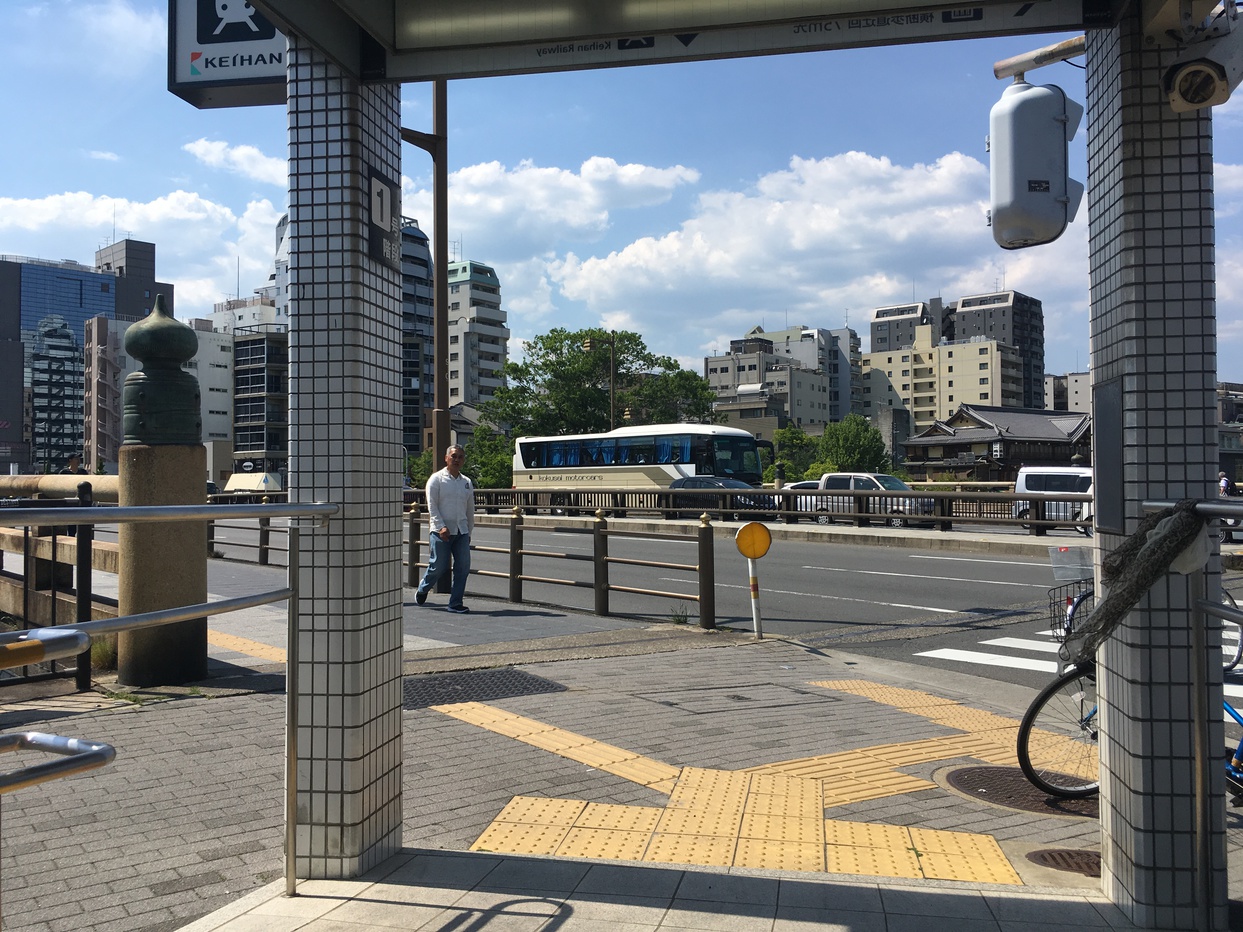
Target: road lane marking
(992, 660)
(990, 582)
(923, 556)
(842, 598)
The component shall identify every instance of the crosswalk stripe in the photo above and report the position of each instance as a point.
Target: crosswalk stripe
(1046, 647)
(992, 660)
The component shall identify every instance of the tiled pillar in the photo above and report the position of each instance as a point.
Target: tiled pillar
(345, 448)
(1154, 431)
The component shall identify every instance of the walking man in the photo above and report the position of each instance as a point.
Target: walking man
(451, 506)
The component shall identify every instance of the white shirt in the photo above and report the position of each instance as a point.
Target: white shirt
(451, 502)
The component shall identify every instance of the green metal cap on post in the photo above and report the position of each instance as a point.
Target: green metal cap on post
(162, 401)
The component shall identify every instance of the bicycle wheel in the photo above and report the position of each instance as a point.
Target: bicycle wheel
(1232, 649)
(1057, 739)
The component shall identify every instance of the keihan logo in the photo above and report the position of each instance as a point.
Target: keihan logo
(194, 58)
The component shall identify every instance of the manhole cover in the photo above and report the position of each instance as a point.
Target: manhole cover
(1087, 863)
(419, 692)
(1006, 786)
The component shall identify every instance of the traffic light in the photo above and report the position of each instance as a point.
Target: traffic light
(1032, 195)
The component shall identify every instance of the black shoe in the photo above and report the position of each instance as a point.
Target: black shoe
(419, 597)
(458, 609)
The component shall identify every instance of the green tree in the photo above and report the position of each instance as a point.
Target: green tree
(561, 388)
(850, 445)
(797, 451)
(420, 468)
(490, 459)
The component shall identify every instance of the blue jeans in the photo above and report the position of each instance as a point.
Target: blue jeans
(457, 548)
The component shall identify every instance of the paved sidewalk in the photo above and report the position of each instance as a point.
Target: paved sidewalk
(184, 830)
(614, 775)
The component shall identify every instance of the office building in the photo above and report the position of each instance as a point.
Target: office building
(1008, 317)
(762, 390)
(260, 409)
(835, 353)
(44, 309)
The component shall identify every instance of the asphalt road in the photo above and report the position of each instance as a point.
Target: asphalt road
(978, 613)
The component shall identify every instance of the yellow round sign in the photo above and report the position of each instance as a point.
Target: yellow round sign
(753, 540)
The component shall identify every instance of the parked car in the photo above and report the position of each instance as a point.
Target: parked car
(1054, 480)
(747, 504)
(212, 488)
(900, 510)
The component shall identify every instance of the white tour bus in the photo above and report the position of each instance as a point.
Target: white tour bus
(648, 457)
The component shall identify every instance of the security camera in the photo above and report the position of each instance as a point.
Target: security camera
(1206, 72)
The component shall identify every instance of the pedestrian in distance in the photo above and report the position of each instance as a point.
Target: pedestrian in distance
(73, 467)
(451, 510)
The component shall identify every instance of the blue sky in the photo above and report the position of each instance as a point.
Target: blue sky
(687, 202)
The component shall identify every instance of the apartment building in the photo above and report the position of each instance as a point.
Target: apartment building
(1008, 317)
(478, 333)
(835, 353)
(931, 379)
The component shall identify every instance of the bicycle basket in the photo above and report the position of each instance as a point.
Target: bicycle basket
(1061, 600)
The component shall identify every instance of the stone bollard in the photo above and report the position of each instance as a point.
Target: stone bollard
(161, 461)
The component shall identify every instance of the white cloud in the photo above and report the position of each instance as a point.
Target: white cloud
(246, 161)
(103, 156)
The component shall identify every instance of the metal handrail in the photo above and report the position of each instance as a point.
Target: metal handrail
(143, 514)
(77, 756)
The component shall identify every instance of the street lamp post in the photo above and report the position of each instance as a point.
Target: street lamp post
(611, 339)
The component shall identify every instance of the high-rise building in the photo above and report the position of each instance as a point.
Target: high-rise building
(417, 362)
(478, 333)
(260, 409)
(1008, 317)
(44, 309)
(1070, 392)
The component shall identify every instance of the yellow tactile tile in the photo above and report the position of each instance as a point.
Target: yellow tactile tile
(799, 807)
(516, 838)
(780, 783)
(246, 646)
(599, 755)
(874, 862)
(894, 696)
(966, 844)
(782, 828)
(619, 818)
(699, 797)
(699, 822)
(663, 786)
(604, 843)
(939, 866)
(642, 770)
(789, 856)
(706, 850)
(866, 834)
(540, 810)
(557, 740)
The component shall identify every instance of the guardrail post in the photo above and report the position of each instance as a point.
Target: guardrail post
(861, 502)
(945, 508)
(265, 539)
(515, 554)
(1037, 514)
(412, 547)
(789, 506)
(707, 575)
(600, 559)
(82, 607)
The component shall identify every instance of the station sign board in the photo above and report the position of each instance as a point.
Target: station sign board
(224, 53)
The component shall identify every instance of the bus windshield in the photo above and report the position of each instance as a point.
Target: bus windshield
(737, 457)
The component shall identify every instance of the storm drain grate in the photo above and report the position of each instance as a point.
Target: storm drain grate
(1006, 786)
(419, 692)
(1087, 863)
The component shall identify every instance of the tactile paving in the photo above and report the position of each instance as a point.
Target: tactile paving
(769, 817)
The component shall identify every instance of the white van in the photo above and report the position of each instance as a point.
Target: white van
(1049, 482)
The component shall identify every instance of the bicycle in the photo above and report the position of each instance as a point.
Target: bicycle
(1057, 739)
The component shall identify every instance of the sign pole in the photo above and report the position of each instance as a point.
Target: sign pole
(753, 540)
